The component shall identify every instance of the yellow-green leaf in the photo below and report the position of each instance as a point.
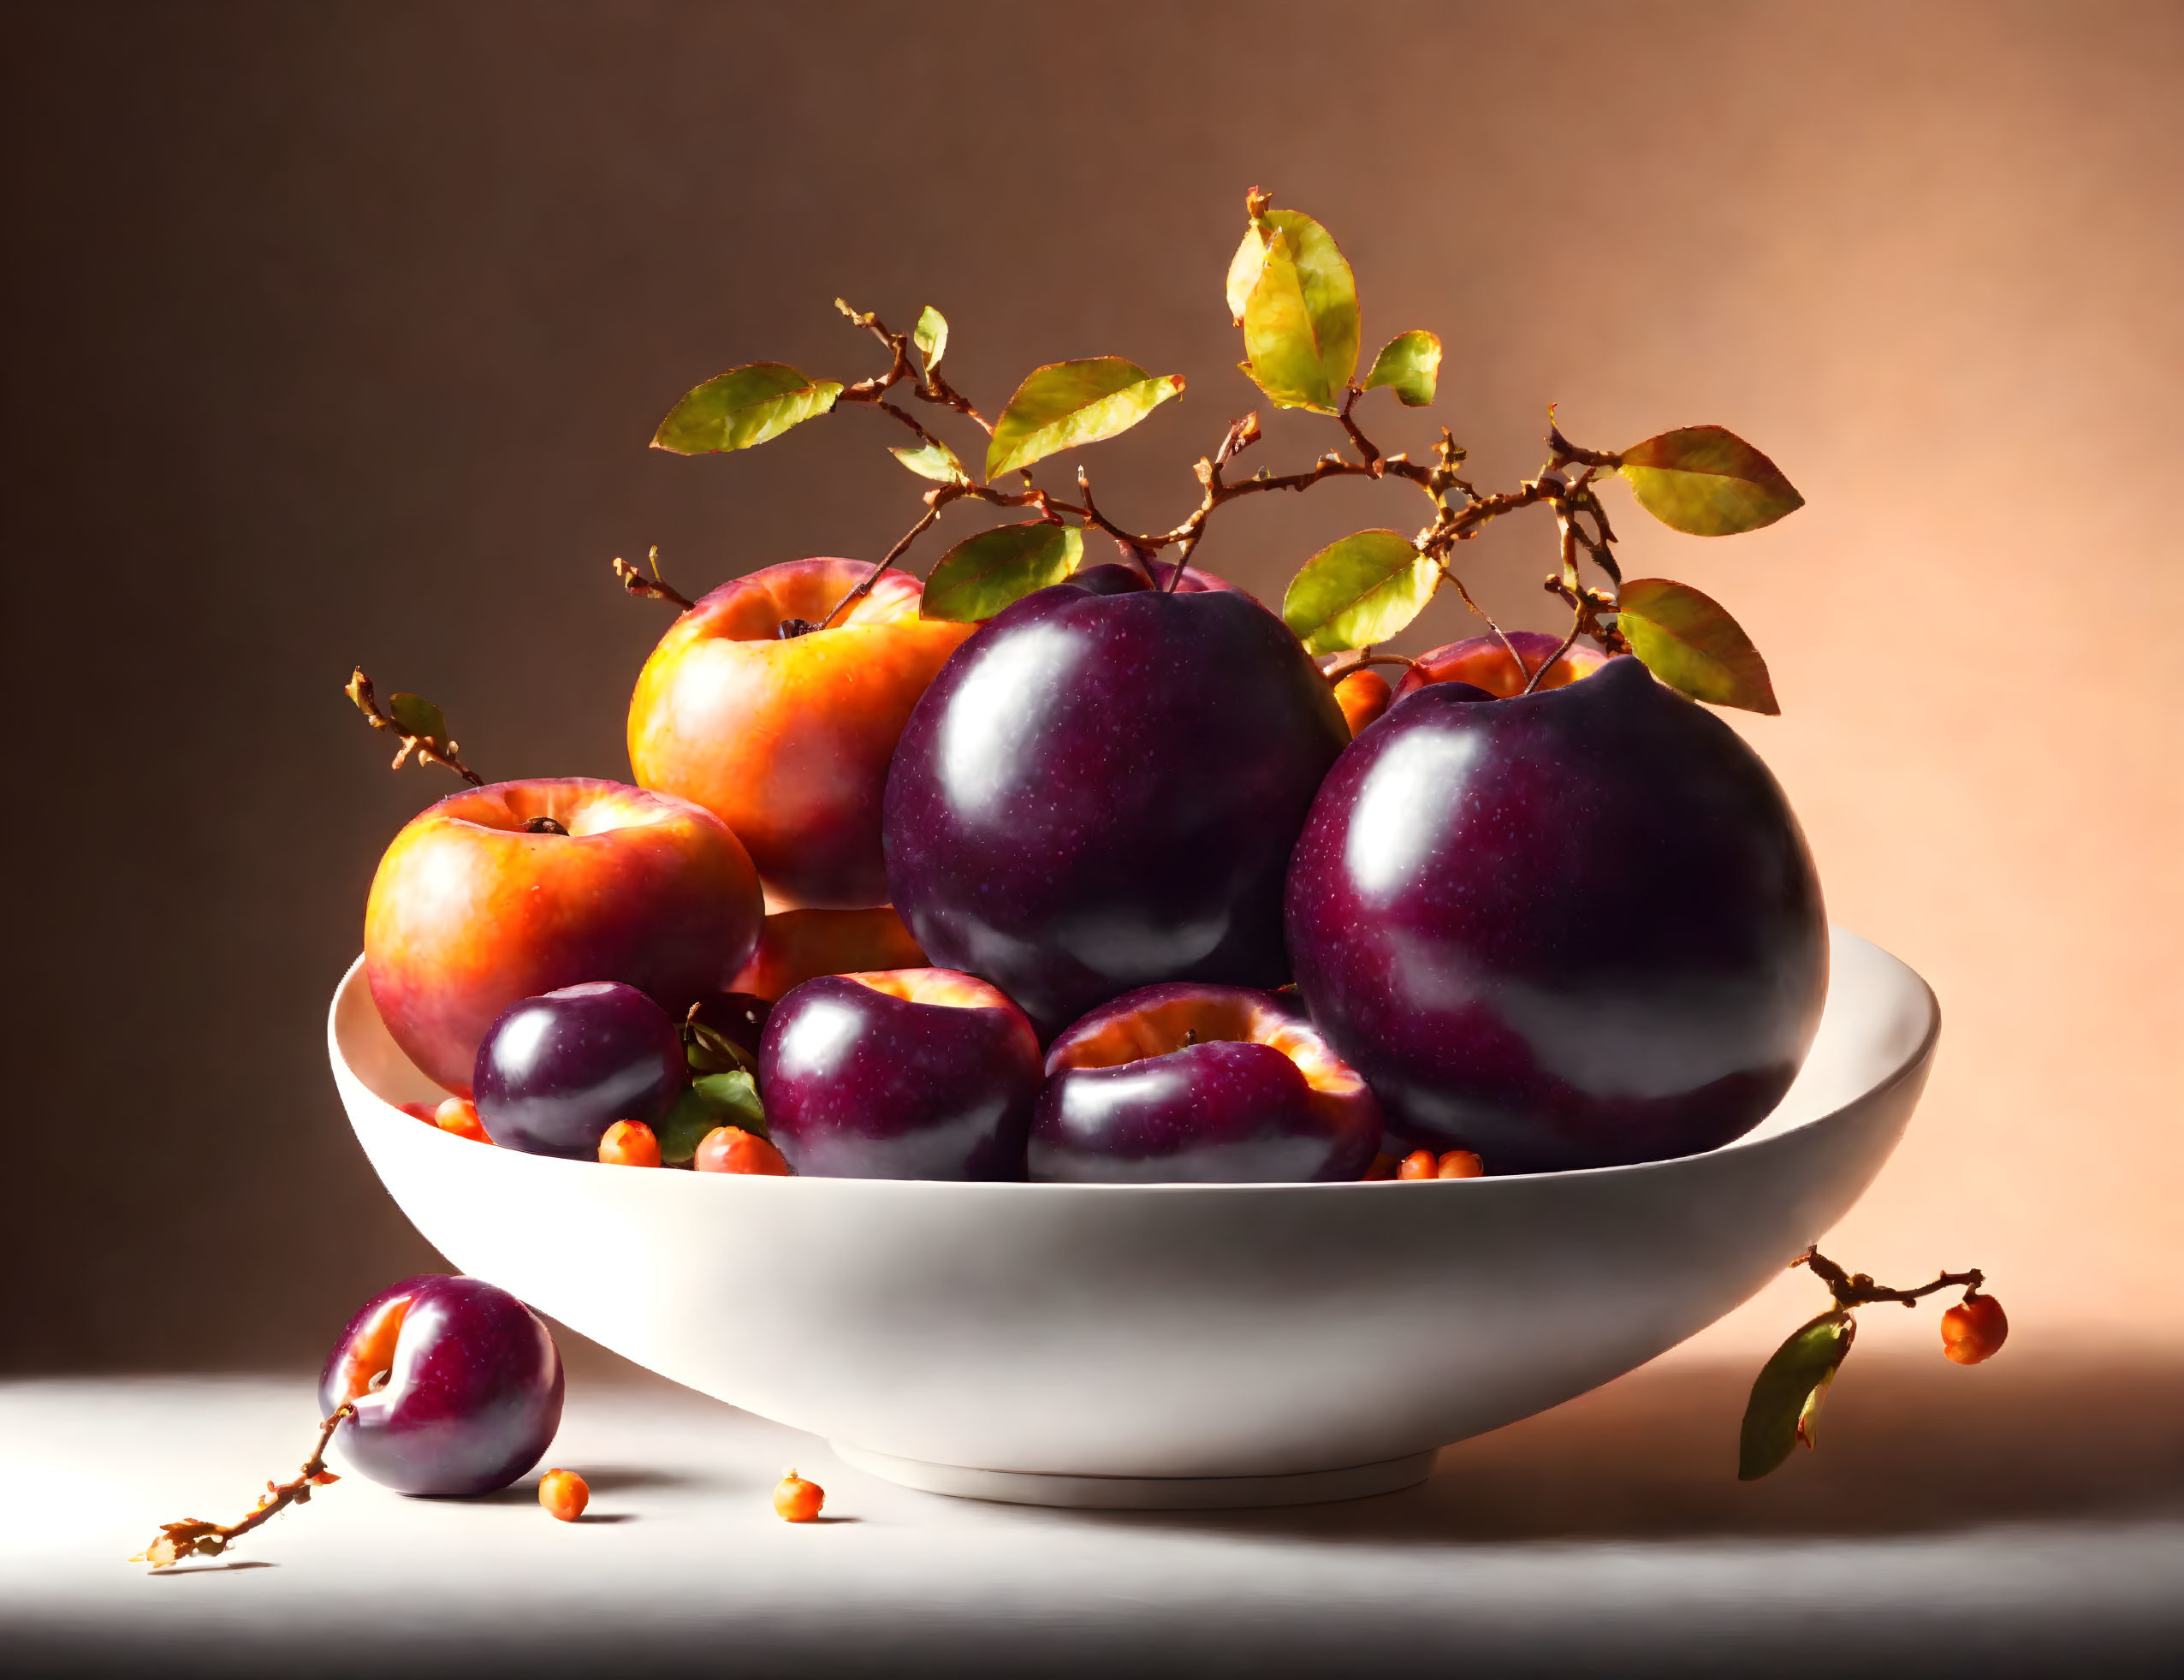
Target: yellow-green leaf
(1706, 482)
(744, 406)
(930, 335)
(996, 568)
(1300, 321)
(1244, 269)
(1360, 589)
(1065, 404)
(414, 714)
(1692, 644)
(933, 460)
(1788, 1390)
(1409, 365)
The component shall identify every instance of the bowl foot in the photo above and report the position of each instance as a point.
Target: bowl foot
(1142, 1492)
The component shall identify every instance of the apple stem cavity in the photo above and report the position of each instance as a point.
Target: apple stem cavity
(544, 825)
(192, 1537)
(418, 724)
(654, 588)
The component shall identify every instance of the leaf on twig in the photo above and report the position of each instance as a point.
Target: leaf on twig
(1065, 404)
(1300, 318)
(729, 1097)
(1409, 365)
(743, 408)
(996, 568)
(414, 714)
(933, 460)
(930, 335)
(1360, 589)
(1786, 1394)
(1706, 482)
(1691, 644)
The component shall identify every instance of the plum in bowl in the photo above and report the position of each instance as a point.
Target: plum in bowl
(1157, 1346)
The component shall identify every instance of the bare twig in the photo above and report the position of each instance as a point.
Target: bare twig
(193, 1537)
(1855, 1289)
(654, 588)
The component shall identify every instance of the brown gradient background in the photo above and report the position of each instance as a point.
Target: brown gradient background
(336, 333)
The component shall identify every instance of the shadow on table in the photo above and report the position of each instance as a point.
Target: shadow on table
(1905, 1448)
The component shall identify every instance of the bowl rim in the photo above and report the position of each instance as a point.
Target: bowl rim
(345, 1075)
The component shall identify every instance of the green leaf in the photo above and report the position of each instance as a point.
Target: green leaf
(1688, 641)
(1300, 323)
(709, 1051)
(414, 714)
(1787, 1394)
(930, 335)
(714, 1100)
(1706, 482)
(744, 406)
(933, 460)
(996, 568)
(1245, 267)
(1360, 589)
(1065, 404)
(1409, 365)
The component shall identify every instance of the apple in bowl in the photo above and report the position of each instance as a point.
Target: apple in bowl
(508, 891)
(1185, 1083)
(784, 730)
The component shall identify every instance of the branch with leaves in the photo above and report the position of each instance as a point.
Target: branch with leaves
(193, 1537)
(1292, 294)
(419, 725)
(1786, 1395)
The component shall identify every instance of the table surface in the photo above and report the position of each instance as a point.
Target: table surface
(2031, 1526)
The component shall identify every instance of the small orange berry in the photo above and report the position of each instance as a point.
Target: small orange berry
(1418, 1164)
(796, 1501)
(565, 1493)
(1974, 1330)
(629, 1143)
(730, 1148)
(420, 1111)
(1460, 1164)
(1383, 1166)
(458, 1114)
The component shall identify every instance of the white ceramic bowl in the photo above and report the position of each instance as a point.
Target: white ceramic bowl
(1156, 1345)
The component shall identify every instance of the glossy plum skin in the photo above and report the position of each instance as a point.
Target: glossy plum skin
(1100, 791)
(1577, 929)
(555, 1072)
(473, 1391)
(865, 1077)
(1186, 1083)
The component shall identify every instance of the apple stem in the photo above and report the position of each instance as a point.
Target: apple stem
(432, 747)
(192, 1537)
(653, 587)
(1855, 1289)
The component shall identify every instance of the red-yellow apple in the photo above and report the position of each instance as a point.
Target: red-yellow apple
(801, 945)
(1484, 663)
(787, 738)
(503, 892)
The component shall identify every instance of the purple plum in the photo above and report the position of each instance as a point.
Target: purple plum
(1187, 1082)
(556, 1071)
(1575, 929)
(911, 1073)
(457, 1386)
(1100, 790)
